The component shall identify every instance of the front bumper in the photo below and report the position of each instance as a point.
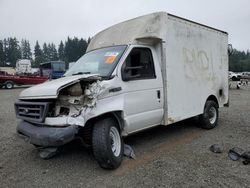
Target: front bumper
(45, 135)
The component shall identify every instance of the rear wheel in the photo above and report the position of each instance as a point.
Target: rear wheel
(9, 85)
(209, 118)
(107, 143)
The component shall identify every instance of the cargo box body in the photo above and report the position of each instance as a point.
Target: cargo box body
(195, 67)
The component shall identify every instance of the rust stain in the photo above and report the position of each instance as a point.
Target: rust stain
(155, 152)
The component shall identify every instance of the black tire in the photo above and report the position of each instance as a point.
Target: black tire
(209, 118)
(234, 78)
(9, 85)
(102, 144)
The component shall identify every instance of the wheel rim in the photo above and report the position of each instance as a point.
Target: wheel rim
(212, 114)
(9, 85)
(115, 141)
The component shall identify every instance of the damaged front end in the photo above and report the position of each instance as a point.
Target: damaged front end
(56, 121)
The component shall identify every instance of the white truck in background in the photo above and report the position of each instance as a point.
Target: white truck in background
(156, 69)
(23, 67)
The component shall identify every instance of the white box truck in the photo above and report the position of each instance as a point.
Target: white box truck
(156, 69)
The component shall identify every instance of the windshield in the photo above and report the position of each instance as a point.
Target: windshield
(101, 62)
(58, 66)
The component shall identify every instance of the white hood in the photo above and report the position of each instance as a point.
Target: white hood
(50, 89)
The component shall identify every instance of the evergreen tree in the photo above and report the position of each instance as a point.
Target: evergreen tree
(239, 61)
(5, 46)
(13, 51)
(45, 52)
(38, 55)
(88, 41)
(69, 50)
(52, 52)
(61, 54)
(26, 51)
(74, 49)
(82, 47)
(1, 54)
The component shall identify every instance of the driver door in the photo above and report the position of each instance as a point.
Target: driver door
(143, 99)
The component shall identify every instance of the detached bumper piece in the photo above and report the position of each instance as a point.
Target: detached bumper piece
(46, 136)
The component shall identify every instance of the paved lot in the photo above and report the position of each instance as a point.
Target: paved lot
(173, 156)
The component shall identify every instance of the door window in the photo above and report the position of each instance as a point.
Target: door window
(139, 65)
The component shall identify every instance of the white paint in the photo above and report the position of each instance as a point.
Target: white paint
(196, 67)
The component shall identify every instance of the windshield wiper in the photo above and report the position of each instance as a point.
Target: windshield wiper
(107, 77)
(79, 73)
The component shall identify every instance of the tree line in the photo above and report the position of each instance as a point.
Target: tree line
(239, 61)
(73, 48)
(69, 51)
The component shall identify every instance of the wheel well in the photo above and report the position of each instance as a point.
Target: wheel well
(213, 98)
(86, 132)
(9, 81)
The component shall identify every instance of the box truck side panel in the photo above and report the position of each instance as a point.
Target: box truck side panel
(196, 67)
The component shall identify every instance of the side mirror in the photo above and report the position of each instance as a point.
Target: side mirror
(125, 73)
(230, 49)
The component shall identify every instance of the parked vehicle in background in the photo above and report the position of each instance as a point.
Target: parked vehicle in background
(245, 75)
(8, 81)
(35, 71)
(151, 70)
(23, 67)
(234, 76)
(53, 69)
(8, 70)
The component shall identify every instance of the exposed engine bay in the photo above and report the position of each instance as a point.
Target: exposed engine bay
(75, 98)
(69, 108)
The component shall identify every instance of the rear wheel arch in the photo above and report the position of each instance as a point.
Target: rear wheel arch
(212, 98)
(209, 117)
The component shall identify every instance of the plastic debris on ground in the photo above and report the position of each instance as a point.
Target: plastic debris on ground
(48, 152)
(129, 152)
(235, 153)
(246, 157)
(216, 148)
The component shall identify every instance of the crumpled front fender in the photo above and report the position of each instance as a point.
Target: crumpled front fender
(103, 106)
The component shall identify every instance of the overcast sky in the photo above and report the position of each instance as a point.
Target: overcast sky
(55, 20)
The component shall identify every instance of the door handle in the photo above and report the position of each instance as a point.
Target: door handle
(158, 94)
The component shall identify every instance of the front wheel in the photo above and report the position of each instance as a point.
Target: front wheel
(9, 85)
(209, 118)
(107, 143)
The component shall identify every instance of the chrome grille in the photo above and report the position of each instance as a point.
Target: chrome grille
(32, 111)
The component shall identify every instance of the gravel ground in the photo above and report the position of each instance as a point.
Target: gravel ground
(172, 156)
